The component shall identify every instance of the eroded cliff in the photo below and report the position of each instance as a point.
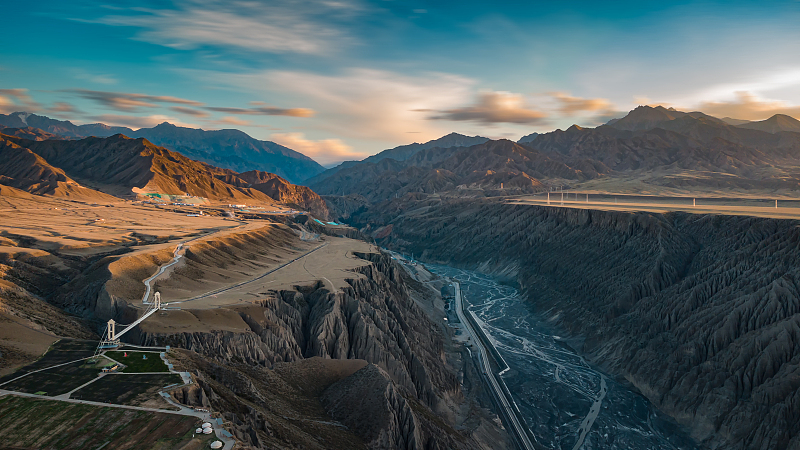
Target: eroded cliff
(700, 312)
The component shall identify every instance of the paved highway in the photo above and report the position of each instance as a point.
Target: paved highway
(511, 413)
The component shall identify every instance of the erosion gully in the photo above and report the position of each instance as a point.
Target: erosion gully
(567, 403)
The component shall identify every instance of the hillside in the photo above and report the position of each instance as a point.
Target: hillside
(775, 124)
(31, 133)
(403, 153)
(232, 149)
(229, 149)
(499, 166)
(22, 169)
(279, 189)
(120, 164)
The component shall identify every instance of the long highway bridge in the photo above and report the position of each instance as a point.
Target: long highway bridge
(506, 404)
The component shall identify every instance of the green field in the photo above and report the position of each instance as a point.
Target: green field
(46, 424)
(136, 364)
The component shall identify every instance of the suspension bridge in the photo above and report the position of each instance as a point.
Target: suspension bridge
(111, 337)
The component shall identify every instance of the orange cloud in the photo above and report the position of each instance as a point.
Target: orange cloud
(325, 152)
(189, 111)
(749, 107)
(570, 105)
(495, 107)
(228, 120)
(12, 100)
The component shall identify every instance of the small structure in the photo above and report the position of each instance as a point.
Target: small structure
(216, 444)
(207, 431)
(110, 368)
(205, 425)
(198, 431)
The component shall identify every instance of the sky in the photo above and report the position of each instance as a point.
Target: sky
(343, 79)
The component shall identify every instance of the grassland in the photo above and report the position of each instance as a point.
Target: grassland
(135, 363)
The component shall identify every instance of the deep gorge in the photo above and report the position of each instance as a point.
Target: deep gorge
(699, 312)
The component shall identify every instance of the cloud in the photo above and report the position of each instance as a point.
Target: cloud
(233, 121)
(265, 111)
(305, 27)
(62, 107)
(570, 105)
(495, 107)
(748, 106)
(6, 104)
(130, 102)
(325, 152)
(136, 122)
(12, 100)
(367, 103)
(189, 111)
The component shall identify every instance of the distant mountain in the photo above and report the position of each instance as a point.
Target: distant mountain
(734, 122)
(648, 117)
(63, 128)
(230, 149)
(650, 146)
(34, 134)
(775, 124)
(233, 149)
(499, 166)
(121, 165)
(404, 152)
(529, 138)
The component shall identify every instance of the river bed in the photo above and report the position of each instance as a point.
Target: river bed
(566, 402)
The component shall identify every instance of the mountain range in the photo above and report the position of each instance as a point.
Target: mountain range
(655, 145)
(404, 152)
(229, 149)
(97, 168)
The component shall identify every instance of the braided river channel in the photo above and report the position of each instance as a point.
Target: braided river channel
(566, 402)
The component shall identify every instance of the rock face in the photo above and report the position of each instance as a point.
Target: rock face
(398, 398)
(701, 313)
(368, 403)
(374, 319)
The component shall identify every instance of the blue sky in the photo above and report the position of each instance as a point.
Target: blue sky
(342, 79)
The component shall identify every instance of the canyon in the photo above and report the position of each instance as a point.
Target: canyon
(698, 312)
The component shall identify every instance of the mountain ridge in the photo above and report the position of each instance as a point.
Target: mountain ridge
(226, 148)
(128, 165)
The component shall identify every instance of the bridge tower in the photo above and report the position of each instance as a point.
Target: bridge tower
(112, 330)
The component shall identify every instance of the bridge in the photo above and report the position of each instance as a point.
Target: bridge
(111, 336)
